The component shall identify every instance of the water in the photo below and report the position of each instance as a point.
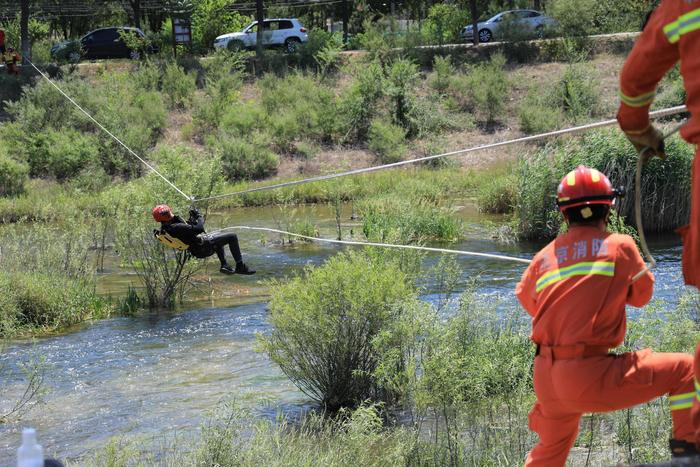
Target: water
(159, 374)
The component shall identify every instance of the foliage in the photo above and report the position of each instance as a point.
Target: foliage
(39, 302)
(212, 18)
(444, 22)
(324, 324)
(178, 86)
(664, 183)
(499, 194)
(61, 154)
(387, 141)
(243, 160)
(484, 89)
(13, 175)
(321, 52)
(401, 79)
(443, 70)
(358, 105)
(577, 92)
(406, 218)
(575, 17)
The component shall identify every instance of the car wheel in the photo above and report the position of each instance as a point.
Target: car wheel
(134, 55)
(292, 44)
(235, 46)
(539, 31)
(74, 57)
(485, 36)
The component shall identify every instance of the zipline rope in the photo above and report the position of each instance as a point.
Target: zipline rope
(526, 139)
(638, 206)
(107, 131)
(383, 245)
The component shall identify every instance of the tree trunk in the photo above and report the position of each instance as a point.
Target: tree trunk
(136, 8)
(24, 30)
(537, 5)
(475, 21)
(260, 16)
(346, 19)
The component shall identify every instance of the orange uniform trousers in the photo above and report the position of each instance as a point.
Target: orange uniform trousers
(566, 389)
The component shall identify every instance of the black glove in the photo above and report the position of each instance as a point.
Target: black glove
(194, 214)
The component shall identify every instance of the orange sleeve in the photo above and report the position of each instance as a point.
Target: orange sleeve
(630, 263)
(652, 56)
(525, 289)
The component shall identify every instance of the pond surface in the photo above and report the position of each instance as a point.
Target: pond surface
(158, 374)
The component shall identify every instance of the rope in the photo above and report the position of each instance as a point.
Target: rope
(383, 245)
(574, 130)
(108, 132)
(638, 207)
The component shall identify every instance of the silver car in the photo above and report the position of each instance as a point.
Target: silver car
(278, 32)
(529, 22)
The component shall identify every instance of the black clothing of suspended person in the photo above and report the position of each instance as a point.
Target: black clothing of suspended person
(190, 236)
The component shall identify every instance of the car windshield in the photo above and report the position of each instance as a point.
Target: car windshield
(251, 26)
(494, 18)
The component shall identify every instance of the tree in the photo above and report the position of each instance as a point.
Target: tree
(24, 30)
(136, 9)
(475, 20)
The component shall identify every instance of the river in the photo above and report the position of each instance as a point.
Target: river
(157, 374)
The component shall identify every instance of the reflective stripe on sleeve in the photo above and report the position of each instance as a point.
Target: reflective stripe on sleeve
(638, 101)
(600, 268)
(686, 23)
(681, 401)
(697, 390)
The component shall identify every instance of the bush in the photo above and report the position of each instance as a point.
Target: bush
(387, 141)
(45, 302)
(13, 176)
(358, 105)
(538, 113)
(62, 154)
(665, 184)
(575, 17)
(245, 160)
(443, 71)
(498, 195)
(484, 89)
(399, 84)
(324, 323)
(444, 22)
(178, 86)
(212, 18)
(406, 218)
(578, 92)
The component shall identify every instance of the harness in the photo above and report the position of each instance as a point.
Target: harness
(170, 241)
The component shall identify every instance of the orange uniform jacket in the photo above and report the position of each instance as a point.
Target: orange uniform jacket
(576, 288)
(672, 34)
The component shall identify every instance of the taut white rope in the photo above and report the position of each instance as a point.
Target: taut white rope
(525, 139)
(384, 245)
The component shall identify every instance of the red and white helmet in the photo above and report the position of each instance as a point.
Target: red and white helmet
(585, 186)
(162, 213)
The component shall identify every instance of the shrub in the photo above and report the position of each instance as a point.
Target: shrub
(387, 141)
(444, 22)
(62, 154)
(178, 86)
(498, 195)
(212, 18)
(484, 89)
(45, 302)
(578, 92)
(13, 176)
(358, 105)
(443, 70)
(323, 325)
(665, 184)
(245, 160)
(538, 113)
(399, 83)
(575, 17)
(406, 218)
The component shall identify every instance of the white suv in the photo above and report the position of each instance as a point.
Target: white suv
(286, 32)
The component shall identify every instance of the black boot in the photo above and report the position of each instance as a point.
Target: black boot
(241, 268)
(226, 269)
(680, 448)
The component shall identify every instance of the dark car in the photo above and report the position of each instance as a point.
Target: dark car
(100, 43)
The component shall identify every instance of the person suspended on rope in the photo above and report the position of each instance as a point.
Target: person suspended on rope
(190, 236)
(576, 290)
(671, 35)
(11, 58)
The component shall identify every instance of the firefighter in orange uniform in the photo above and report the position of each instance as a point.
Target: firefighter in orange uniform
(672, 34)
(575, 290)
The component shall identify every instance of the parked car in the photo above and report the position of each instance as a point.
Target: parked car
(278, 32)
(529, 22)
(100, 43)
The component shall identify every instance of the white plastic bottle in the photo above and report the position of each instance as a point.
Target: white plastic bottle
(30, 453)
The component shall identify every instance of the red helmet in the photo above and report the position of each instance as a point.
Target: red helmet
(584, 186)
(162, 213)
